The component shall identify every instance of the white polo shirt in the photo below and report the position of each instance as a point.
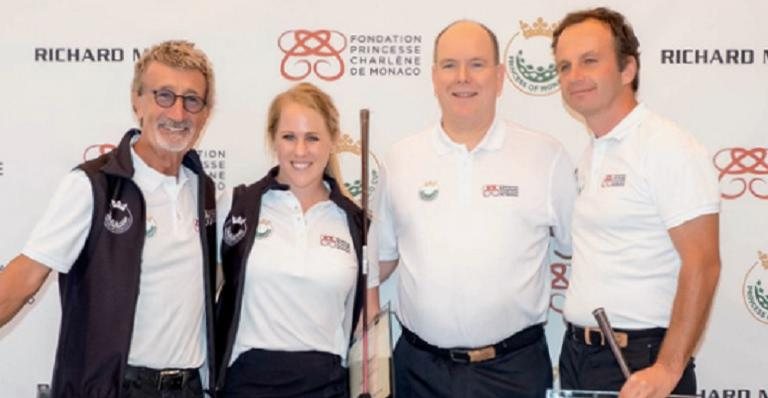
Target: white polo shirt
(300, 278)
(641, 179)
(168, 330)
(472, 229)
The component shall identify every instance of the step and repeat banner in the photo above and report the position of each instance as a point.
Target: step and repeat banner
(66, 71)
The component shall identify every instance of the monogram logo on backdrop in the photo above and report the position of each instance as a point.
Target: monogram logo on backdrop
(743, 170)
(756, 288)
(94, 151)
(308, 51)
(330, 54)
(559, 282)
(530, 64)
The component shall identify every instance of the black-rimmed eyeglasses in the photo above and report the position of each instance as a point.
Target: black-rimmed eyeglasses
(166, 98)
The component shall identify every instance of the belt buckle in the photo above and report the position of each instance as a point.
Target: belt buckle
(472, 356)
(588, 335)
(170, 380)
(622, 338)
(482, 354)
(461, 356)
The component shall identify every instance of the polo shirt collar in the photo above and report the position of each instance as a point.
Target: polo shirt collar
(626, 125)
(150, 179)
(335, 195)
(492, 140)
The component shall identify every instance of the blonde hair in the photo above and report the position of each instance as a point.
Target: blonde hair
(179, 54)
(309, 95)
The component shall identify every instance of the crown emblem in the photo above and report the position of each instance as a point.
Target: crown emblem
(119, 205)
(538, 28)
(347, 144)
(763, 259)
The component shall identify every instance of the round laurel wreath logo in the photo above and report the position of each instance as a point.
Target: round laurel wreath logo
(429, 191)
(529, 61)
(234, 230)
(264, 229)
(756, 288)
(118, 218)
(348, 152)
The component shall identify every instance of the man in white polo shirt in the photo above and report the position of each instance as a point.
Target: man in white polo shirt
(468, 210)
(645, 224)
(132, 235)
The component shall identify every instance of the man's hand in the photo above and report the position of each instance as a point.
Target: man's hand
(656, 381)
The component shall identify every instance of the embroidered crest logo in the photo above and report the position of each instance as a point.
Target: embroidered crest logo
(151, 227)
(209, 216)
(119, 218)
(429, 191)
(234, 230)
(756, 288)
(264, 229)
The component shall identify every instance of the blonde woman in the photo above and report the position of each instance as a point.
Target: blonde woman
(291, 253)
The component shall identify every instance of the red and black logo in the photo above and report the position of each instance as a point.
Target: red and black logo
(495, 190)
(335, 243)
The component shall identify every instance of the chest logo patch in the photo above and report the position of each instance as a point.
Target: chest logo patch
(210, 217)
(429, 191)
(495, 190)
(613, 180)
(119, 218)
(335, 243)
(151, 227)
(234, 230)
(264, 229)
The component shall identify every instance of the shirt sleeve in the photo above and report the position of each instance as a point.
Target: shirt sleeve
(59, 236)
(682, 180)
(562, 198)
(384, 221)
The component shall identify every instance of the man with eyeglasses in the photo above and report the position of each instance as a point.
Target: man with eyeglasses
(132, 235)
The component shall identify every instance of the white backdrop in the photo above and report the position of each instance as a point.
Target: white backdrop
(63, 100)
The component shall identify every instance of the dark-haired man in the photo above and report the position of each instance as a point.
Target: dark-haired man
(645, 223)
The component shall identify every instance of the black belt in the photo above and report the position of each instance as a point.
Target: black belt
(161, 379)
(593, 335)
(518, 340)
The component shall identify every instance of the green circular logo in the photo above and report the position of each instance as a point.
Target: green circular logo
(529, 60)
